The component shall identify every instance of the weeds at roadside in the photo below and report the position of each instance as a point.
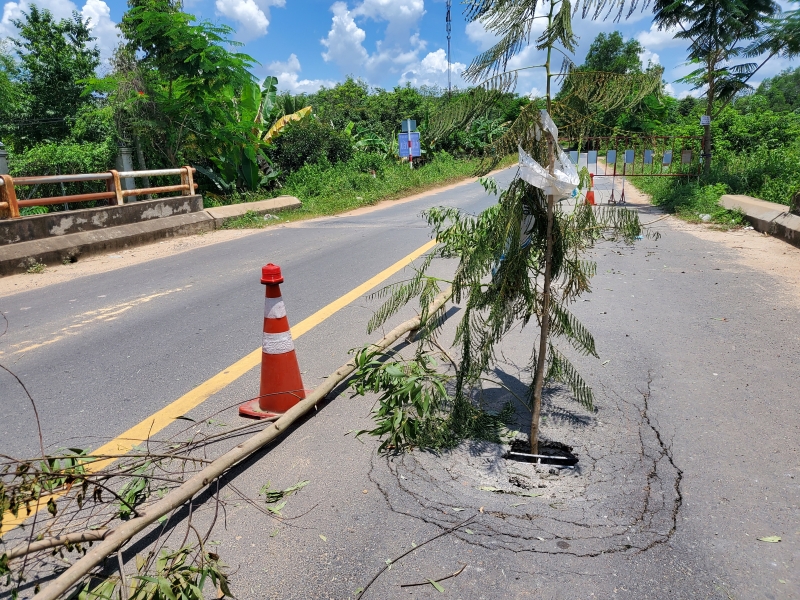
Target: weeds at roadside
(249, 220)
(692, 201)
(36, 268)
(326, 189)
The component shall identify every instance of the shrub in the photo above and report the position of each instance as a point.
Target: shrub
(63, 159)
(367, 161)
(309, 141)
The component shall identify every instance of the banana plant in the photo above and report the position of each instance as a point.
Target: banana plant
(278, 126)
(241, 162)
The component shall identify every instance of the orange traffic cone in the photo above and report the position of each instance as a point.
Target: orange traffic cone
(590, 193)
(281, 384)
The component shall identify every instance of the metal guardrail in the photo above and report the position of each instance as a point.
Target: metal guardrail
(114, 188)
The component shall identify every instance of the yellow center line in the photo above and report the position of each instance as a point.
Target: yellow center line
(134, 436)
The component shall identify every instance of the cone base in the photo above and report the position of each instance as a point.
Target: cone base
(251, 409)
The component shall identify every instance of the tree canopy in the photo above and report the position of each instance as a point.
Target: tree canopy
(55, 58)
(612, 53)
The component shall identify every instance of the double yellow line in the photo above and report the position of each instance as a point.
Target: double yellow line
(134, 436)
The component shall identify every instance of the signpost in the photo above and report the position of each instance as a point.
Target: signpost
(408, 141)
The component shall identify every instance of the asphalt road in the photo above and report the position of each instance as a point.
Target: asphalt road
(699, 383)
(101, 353)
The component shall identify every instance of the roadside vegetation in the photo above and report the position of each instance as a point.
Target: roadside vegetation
(178, 93)
(756, 151)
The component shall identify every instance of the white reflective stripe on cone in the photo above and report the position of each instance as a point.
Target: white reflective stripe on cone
(274, 308)
(277, 343)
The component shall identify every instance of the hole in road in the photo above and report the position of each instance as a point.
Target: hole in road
(550, 453)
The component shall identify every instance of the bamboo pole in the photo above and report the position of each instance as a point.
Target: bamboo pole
(60, 540)
(115, 538)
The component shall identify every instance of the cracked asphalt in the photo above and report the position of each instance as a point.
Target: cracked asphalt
(692, 455)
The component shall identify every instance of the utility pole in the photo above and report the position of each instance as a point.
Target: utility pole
(449, 87)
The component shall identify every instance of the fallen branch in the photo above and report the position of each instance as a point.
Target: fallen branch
(456, 574)
(179, 496)
(655, 220)
(59, 540)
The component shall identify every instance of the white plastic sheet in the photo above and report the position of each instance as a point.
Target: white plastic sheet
(560, 184)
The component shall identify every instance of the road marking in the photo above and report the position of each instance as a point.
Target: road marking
(108, 313)
(124, 443)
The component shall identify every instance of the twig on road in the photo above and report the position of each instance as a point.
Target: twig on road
(456, 574)
(417, 547)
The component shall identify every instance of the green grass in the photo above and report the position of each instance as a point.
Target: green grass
(767, 174)
(331, 189)
(35, 268)
(690, 200)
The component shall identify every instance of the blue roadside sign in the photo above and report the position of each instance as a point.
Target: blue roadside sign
(402, 144)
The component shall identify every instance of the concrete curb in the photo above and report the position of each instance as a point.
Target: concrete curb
(768, 217)
(18, 257)
(220, 214)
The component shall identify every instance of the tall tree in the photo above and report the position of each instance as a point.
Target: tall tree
(10, 92)
(610, 52)
(719, 32)
(176, 83)
(55, 57)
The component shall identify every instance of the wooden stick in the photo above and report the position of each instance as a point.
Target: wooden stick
(179, 496)
(456, 574)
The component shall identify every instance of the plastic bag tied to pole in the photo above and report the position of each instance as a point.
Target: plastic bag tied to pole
(560, 184)
(565, 174)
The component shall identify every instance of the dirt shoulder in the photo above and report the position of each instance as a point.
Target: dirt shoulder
(753, 249)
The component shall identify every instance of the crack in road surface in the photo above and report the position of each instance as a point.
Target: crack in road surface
(624, 494)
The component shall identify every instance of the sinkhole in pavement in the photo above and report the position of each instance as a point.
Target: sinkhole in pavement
(550, 453)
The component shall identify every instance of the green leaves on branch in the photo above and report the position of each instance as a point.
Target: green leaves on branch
(413, 394)
(22, 487)
(179, 575)
(276, 496)
(135, 491)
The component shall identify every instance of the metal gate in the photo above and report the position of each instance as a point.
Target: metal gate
(637, 156)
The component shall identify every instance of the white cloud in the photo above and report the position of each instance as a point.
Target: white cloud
(345, 40)
(103, 28)
(288, 74)
(432, 71)
(401, 16)
(692, 93)
(478, 35)
(61, 9)
(655, 38)
(670, 89)
(397, 52)
(251, 15)
(647, 57)
(535, 93)
(97, 11)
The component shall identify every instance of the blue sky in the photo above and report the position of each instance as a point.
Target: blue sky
(308, 43)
